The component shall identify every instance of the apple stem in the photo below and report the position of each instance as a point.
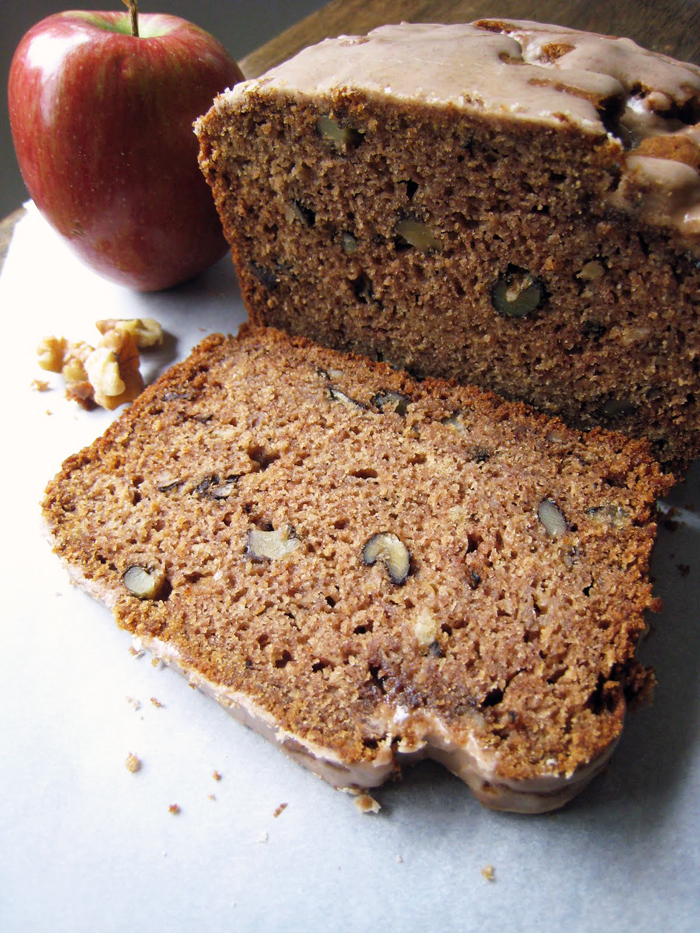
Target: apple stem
(133, 6)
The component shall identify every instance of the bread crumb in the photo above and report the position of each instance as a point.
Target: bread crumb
(278, 810)
(136, 652)
(489, 872)
(132, 763)
(156, 703)
(367, 804)
(263, 837)
(40, 385)
(399, 858)
(174, 808)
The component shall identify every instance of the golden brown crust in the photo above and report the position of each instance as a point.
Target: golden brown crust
(529, 545)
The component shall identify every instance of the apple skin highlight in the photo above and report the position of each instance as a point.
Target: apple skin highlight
(102, 127)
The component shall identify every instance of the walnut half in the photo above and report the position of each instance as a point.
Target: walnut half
(388, 549)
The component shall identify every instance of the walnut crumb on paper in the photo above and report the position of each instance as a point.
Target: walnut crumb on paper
(156, 703)
(174, 808)
(133, 764)
(489, 873)
(40, 385)
(216, 775)
(367, 804)
(280, 809)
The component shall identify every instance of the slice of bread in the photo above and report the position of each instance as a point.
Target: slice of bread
(509, 204)
(371, 569)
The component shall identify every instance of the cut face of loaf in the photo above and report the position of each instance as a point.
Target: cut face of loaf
(508, 204)
(369, 569)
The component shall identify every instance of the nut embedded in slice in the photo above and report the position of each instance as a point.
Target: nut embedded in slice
(454, 421)
(388, 549)
(614, 515)
(417, 234)
(517, 293)
(338, 135)
(349, 244)
(143, 583)
(296, 211)
(425, 627)
(271, 545)
(224, 489)
(552, 518)
(591, 271)
(391, 401)
(211, 487)
(336, 395)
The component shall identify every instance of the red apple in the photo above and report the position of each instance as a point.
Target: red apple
(102, 126)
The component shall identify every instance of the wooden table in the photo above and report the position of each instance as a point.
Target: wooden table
(669, 26)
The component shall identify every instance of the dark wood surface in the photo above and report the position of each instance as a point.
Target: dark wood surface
(668, 26)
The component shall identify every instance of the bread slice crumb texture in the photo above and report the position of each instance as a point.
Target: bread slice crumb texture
(371, 561)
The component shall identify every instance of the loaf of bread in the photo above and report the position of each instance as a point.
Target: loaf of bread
(371, 569)
(509, 204)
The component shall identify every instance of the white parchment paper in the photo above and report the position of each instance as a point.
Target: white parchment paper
(86, 845)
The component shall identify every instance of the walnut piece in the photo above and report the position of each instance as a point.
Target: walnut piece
(391, 401)
(143, 583)
(51, 351)
(417, 234)
(517, 293)
(337, 135)
(388, 549)
(146, 331)
(425, 627)
(115, 388)
(107, 375)
(552, 517)
(102, 369)
(271, 545)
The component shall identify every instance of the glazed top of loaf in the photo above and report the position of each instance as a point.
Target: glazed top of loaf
(646, 103)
